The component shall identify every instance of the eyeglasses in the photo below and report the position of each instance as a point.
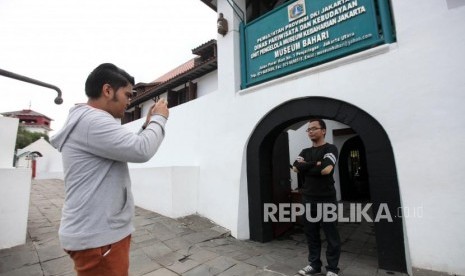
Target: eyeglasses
(313, 129)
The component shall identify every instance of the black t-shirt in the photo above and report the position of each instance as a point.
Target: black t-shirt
(316, 184)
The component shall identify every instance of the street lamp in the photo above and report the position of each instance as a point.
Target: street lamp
(58, 99)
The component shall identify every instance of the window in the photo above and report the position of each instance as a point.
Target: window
(130, 116)
(188, 93)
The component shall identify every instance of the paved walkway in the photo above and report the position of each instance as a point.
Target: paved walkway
(188, 246)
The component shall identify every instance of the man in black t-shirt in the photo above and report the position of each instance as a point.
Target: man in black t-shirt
(316, 164)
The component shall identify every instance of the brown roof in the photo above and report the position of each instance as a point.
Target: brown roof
(185, 72)
(176, 71)
(211, 3)
(24, 113)
(204, 47)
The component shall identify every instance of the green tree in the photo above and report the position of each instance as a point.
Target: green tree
(24, 137)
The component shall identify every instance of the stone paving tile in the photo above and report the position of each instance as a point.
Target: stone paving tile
(244, 254)
(177, 243)
(201, 255)
(214, 233)
(222, 231)
(169, 258)
(140, 263)
(201, 270)
(50, 252)
(18, 259)
(174, 225)
(162, 272)
(359, 269)
(195, 237)
(39, 231)
(60, 266)
(161, 231)
(156, 250)
(144, 243)
(142, 237)
(238, 269)
(221, 246)
(346, 260)
(282, 254)
(183, 265)
(196, 223)
(260, 261)
(260, 272)
(140, 221)
(352, 246)
(27, 247)
(366, 260)
(284, 269)
(221, 263)
(370, 250)
(290, 266)
(29, 270)
(44, 237)
(190, 246)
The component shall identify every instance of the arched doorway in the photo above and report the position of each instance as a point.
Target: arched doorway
(381, 169)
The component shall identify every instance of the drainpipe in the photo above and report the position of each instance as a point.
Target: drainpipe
(58, 99)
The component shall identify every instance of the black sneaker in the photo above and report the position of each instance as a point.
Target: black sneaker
(309, 270)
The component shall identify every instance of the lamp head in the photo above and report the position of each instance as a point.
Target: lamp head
(58, 100)
(222, 25)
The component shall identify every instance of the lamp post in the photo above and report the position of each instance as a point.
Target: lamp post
(58, 99)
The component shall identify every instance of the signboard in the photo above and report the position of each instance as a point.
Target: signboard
(305, 33)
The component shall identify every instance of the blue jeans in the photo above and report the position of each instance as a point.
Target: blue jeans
(312, 233)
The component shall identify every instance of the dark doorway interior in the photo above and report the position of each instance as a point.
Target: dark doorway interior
(353, 172)
(381, 169)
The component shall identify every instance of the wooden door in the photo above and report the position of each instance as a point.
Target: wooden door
(281, 186)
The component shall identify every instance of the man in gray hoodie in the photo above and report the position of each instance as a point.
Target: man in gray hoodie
(96, 223)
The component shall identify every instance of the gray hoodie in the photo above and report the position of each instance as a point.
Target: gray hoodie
(99, 206)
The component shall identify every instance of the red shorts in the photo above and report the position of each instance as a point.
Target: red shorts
(112, 259)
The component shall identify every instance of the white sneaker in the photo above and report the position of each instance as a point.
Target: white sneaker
(309, 270)
(330, 273)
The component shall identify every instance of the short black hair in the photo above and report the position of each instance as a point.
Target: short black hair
(320, 121)
(106, 73)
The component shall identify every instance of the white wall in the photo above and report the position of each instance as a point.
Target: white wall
(14, 187)
(50, 165)
(207, 84)
(170, 191)
(413, 88)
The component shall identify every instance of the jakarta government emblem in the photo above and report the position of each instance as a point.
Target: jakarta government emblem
(296, 10)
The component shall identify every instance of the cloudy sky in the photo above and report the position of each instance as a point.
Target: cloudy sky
(61, 41)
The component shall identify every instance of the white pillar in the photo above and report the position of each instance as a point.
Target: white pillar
(229, 56)
(8, 141)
